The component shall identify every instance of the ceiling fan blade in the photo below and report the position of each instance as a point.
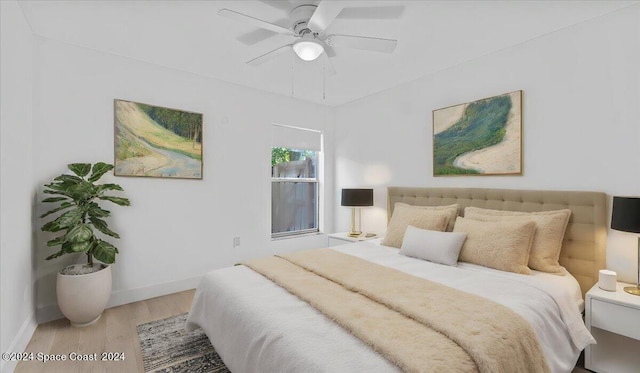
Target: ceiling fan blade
(362, 42)
(269, 55)
(329, 51)
(372, 12)
(325, 13)
(255, 36)
(254, 21)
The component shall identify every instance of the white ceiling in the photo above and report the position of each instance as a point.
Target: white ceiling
(190, 36)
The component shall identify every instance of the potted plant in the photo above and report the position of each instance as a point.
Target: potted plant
(83, 290)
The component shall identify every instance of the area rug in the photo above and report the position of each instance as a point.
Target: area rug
(167, 347)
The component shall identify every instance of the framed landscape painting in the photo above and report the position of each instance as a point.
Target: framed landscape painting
(154, 141)
(483, 137)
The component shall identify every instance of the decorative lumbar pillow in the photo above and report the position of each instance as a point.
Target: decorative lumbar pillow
(434, 246)
(452, 210)
(501, 245)
(405, 215)
(547, 240)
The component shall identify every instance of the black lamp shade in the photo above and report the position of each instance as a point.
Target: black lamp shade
(626, 214)
(357, 197)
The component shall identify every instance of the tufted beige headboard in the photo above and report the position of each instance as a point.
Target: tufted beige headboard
(583, 249)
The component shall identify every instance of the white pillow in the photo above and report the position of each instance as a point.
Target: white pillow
(434, 246)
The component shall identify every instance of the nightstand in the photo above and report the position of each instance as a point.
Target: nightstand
(343, 238)
(613, 318)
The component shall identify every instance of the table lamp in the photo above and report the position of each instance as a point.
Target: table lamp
(626, 217)
(356, 198)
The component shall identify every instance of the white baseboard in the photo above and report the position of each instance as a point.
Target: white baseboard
(48, 313)
(120, 297)
(133, 295)
(20, 342)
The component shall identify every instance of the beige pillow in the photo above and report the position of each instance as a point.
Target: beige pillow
(405, 215)
(452, 210)
(547, 241)
(501, 245)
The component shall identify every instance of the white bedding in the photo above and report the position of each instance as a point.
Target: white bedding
(256, 326)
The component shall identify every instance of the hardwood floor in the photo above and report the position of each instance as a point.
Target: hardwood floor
(114, 332)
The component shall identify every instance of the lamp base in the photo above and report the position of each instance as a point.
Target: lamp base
(353, 232)
(635, 290)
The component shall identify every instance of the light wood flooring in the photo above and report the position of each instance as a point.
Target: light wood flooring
(114, 332)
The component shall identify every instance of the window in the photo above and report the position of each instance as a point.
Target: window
(294, 181)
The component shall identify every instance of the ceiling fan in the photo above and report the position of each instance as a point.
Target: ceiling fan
(309, 21)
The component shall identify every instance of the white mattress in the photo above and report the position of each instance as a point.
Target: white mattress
(256, 326)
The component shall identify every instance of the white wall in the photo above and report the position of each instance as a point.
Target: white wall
(175, 230)
(581, 129)
(580, 132)
(16, 187)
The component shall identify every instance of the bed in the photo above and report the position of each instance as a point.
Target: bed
(258, 326)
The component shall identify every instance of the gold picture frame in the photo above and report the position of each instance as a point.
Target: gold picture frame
(154, 141)
(479, 138)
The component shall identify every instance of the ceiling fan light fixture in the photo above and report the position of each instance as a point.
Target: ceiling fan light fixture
(308, 50)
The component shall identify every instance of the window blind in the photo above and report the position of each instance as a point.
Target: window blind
(296, 137)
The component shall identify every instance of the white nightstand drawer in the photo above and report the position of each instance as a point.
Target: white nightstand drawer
(615, 318)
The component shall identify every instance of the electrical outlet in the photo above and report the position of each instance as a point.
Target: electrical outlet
(236, 241)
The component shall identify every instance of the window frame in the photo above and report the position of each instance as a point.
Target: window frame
(316, 181)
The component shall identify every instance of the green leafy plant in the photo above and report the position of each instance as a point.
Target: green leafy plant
(77, 196)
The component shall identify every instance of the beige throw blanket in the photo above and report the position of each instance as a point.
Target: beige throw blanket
(419, 325)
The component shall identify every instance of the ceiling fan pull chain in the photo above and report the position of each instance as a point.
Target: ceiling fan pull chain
(324, 81)
(292, 62)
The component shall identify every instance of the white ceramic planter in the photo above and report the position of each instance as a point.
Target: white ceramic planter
(82, 298)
